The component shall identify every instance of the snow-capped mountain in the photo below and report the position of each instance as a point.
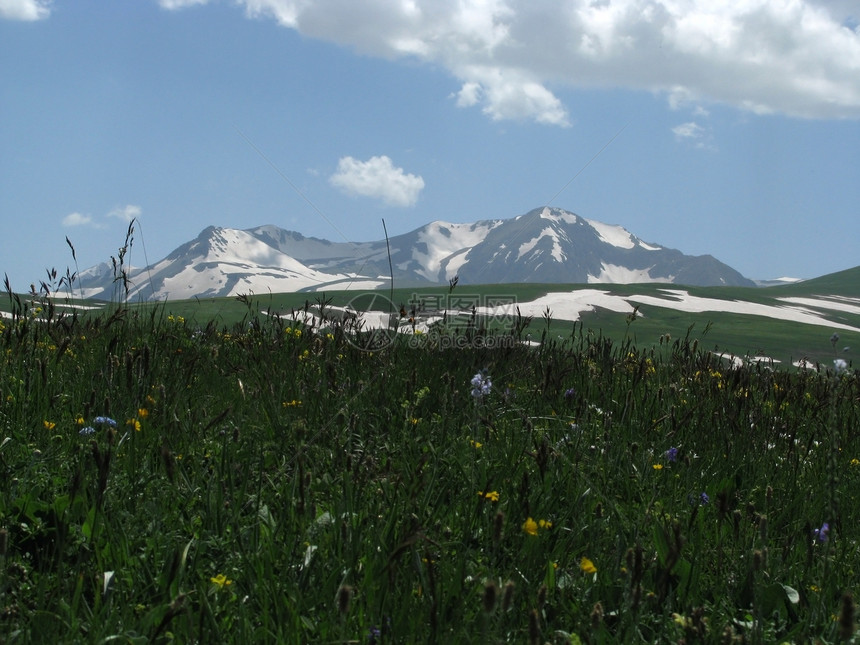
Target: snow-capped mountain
(547, 245)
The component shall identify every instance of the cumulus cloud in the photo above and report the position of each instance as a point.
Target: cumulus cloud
(25, 9)
(512, 57)
(126, 213)
(378, 178)
(78, 219)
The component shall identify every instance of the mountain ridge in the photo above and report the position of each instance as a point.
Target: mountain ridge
(548, 245)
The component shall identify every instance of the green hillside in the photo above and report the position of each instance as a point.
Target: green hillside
(724, 332)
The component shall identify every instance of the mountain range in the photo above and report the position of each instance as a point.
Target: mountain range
(545, 245)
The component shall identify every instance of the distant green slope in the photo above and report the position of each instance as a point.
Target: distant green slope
(723, 332)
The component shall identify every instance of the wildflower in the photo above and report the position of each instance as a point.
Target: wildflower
(105, 421)
(481, 385)
(142, 413)
(820, 534)
(134, 423)
(478, 444)
(855, 462)
(373, 635)
(221, 581)
(87, 431)
(493, 495)
(569, 393)
(530, 527)
(657, 466)
(840, 365)
(672, 454)
(544, 524)
(49, 425)
(80, 420)
(704, 499)
(587, 566)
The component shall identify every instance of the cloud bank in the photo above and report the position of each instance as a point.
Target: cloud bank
(378, 178)
(25, 9)
(795, 57)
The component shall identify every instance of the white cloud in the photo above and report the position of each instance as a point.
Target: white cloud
(126, 213)
(180, 4)
(78, 219)
(793, 57)
(695, 134)
(691, 130)
(25, 9)
(378, 178)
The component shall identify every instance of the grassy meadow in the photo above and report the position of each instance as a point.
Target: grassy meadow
(188, 474)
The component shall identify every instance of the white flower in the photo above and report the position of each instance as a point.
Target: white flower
(840, 365)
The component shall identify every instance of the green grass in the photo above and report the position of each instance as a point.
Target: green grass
(265, 483)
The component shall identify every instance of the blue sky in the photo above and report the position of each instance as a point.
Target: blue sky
(723, 128)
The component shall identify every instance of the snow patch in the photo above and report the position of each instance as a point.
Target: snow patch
(557, 215)
(614, 235)
(557, 254)
(444, 239)
(614, 274)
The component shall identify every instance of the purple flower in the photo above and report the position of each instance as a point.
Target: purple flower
(821, 534)
(373, 635)
(569, 393)
(672, 454)
(105, 421)
(704, 499)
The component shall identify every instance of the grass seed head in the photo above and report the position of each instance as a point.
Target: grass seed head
(344, 598)
(534, 627)
(846, 617)
(508, 595)
(491, 593)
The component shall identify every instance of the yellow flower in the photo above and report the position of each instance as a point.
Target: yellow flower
(80, 420)
(530, 527)
(49, 425)
(544, 524)
(657, 466)
(134, 423)
(493, 495)
(221, 581)
(587, 566)
(142, 413)
(855, 462)
(682, 621)
(475, 444)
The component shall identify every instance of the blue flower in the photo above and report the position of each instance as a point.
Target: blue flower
(821, 534)
(569, 393)
(704, 499)
(85, 432)
(672, 454)
(107, 421)
(481, 385)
